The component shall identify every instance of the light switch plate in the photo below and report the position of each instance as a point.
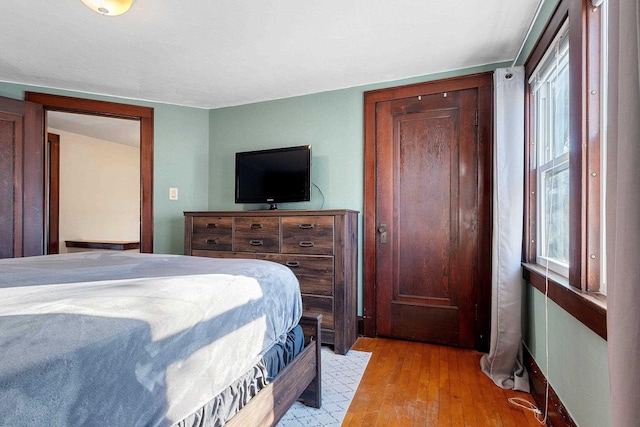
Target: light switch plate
(173, 193)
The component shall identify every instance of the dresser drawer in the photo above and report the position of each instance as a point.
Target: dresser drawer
(315, 273)
(320, 305)
(307, 235)
(211, 233)
(257, 234)
(222, 254)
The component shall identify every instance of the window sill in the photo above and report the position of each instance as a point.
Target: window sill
(589, 309)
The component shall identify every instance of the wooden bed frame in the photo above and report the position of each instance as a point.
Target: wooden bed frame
(299, 380)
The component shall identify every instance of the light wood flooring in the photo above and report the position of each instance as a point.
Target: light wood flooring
(415, 384)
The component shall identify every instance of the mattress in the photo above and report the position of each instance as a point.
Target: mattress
(117, 338)
(231, 400)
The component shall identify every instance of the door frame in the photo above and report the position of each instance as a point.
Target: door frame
(122, 111)
(483, 82)
(53, 223)
(23, 235)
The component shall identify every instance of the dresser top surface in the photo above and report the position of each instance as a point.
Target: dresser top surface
(276, 212)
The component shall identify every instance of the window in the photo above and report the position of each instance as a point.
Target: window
(549, 86)
(566, 74)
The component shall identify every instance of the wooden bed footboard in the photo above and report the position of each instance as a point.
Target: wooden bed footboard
(300, 379)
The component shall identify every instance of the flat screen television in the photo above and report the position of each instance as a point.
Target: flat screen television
(274, 176)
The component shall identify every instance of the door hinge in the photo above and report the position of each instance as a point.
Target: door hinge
(476, 116)
(476, 312)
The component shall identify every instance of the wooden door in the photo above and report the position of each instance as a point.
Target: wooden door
(430, 223)
(21, 178)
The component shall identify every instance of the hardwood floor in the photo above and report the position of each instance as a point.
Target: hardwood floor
(415, 384)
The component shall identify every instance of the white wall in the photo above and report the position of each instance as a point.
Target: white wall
(99, 189)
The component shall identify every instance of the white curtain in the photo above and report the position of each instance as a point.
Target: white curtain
(623, 213)
(503, 364)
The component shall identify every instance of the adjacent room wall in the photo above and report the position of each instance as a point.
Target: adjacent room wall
(99, 189)
(181, 147)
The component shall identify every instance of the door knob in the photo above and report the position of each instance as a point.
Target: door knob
(382, 231)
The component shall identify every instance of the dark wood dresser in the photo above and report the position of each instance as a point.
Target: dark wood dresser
(320, 247)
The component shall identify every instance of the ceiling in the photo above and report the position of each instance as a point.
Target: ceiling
(120, 131)
(217, 53)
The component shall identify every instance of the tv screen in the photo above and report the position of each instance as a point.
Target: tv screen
(274, 176)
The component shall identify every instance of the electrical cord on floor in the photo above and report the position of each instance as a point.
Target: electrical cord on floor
(527, 406)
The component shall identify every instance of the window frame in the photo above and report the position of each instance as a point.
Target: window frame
(544, 163)
(577, 293)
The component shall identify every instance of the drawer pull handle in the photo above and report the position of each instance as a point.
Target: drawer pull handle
(307, 226)
(212, 225)
(255, 226)
(292, 264)
(256, 242)
(212, 241)
(306, 244)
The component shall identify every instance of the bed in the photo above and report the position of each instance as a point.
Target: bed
(119, 338)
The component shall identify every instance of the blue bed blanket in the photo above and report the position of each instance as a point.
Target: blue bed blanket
(127, 339)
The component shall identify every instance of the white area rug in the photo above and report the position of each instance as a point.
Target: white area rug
(340, 378)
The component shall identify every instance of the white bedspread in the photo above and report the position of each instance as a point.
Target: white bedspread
(124, 339)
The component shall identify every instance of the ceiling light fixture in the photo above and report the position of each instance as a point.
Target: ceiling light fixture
(109, 7)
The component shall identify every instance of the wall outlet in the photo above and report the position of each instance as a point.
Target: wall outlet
(173, 193)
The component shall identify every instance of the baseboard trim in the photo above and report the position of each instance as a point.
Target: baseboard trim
(558, 416)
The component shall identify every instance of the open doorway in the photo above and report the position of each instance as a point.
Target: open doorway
(142, 115)
(94, 183)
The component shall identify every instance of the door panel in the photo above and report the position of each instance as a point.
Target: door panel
(21, 178)
(424, 177)
(427, 195)
(10, 145)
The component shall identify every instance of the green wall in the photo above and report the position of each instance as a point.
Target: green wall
(331, 122)
(181, 147)
(577, 365)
